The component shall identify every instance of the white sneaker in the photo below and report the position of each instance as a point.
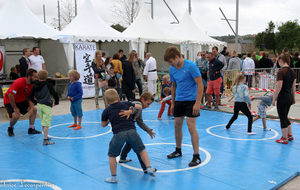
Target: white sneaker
(251, 133)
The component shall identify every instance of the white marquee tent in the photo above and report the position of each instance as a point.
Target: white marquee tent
(88, 26)
(146, 30)
(20, 28)
(194, 39)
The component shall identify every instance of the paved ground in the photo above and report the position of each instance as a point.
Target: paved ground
(89, 104)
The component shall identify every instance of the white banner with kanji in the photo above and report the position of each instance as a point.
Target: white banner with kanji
(84, 55)
(2, 53)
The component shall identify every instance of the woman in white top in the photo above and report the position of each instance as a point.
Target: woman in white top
(248, 69)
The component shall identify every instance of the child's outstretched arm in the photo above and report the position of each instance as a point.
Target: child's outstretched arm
(127, 113)
(166, 99)
(151, 133)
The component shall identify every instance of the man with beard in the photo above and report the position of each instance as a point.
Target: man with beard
(15, 101)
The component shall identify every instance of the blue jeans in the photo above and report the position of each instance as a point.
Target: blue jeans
(76, 109)
(131, 137)
(126, 150)
(140, 85)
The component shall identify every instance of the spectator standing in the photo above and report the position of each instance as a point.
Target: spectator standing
(264, 64)
(24, 62)
(37, 61)
(139, 65)
(234, 62)
(118, 71)
(215, 80)
(151, 74)
(285, 95)
(99, 75)
(248, 69)
(203, 65)
(128, 78)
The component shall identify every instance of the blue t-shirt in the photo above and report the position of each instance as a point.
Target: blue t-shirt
(186, 89)
(118, 123)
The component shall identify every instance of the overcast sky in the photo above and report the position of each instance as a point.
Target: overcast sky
(254, 15)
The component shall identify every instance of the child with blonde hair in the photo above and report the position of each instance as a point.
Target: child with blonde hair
(166, 83)
(41, 95)
(241, 99)
(124, 131)
(75, 96)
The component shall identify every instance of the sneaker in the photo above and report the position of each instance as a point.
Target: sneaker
(216, 108)
(153, 169)
(159, 118)
(196, 160)
(78, 127)
(125, 161)
(150, 171)
(290, 137)
(267, 129)
(73, 125)
(207, 107)
(175, 154)
(251, 133)
(10, 132)
(46, 142)
(226, 128)
(111, 180)
(282, 140)
(33, 131)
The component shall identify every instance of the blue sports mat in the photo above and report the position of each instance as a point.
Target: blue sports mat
(78, 160)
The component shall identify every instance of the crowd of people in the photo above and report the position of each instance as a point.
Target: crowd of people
(184, 89)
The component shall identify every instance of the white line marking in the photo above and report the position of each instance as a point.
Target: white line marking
(208, 131)
(208, 157)
(80, 129)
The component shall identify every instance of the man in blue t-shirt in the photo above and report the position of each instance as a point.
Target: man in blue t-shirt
(186, 90)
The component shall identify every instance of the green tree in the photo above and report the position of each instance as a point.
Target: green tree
(269, 38)
(259, 39)
(118, 27)
(288, 35)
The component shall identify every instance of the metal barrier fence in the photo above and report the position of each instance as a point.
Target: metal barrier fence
(262, 79)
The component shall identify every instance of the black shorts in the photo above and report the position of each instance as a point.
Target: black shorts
(184, 108)
(22, 106)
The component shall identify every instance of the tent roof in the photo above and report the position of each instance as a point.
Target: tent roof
(144, 27)
(18, 21)
(189, 31)
(89, 26)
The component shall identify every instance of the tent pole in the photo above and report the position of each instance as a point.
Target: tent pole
(44, 11)
(59, 27)
(237, 26)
